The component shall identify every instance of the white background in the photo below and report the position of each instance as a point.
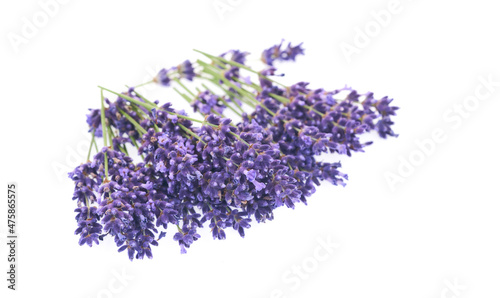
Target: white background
(435, 234)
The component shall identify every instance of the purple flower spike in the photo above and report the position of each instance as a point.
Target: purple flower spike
(186, 70)
(274, 53)
(162, 77)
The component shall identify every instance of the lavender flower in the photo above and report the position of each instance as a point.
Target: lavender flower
(162, 77)
(186, 70)
(275, 53)
(206, 102)
(216, 172)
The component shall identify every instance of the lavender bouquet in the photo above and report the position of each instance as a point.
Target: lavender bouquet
(215, 171)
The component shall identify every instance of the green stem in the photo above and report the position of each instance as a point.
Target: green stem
(237, 105)
(239, 138)
(189, 100)
(238, 65)
(137, 125)
(241, 91)
(252, 85)
(103, 121)
(191, 133)
(184, 87)
(223, 67)
(91, 142)
(132, 100)
(104, 134)
(146, 83)
(216, 113)
(216, 73)
(192, 119)
(281, 99)
(226, 103)
(230, 94)
(136, 146)
(95, 146)
(112, 136)
(142, 97)
(138, 111)
(156, 128)
(171, 113)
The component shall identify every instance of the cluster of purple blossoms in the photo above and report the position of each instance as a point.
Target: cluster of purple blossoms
(207, 102)
(184, 70)
(275, 53)
(221, 173)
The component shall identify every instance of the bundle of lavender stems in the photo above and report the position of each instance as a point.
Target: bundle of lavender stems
(217, 171)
